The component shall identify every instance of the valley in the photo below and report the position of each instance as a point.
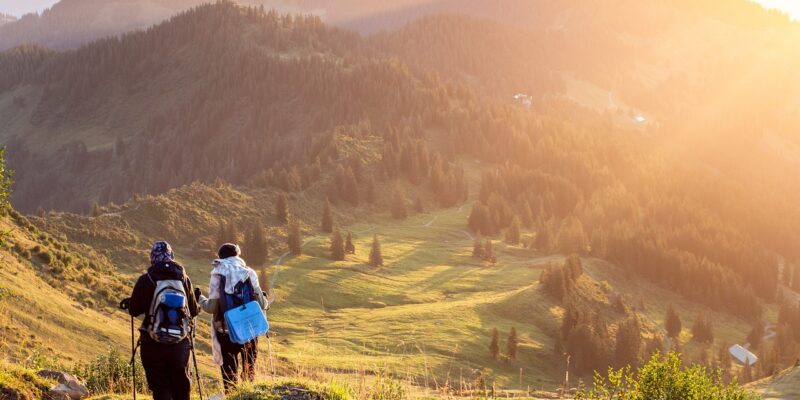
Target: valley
(545, 190)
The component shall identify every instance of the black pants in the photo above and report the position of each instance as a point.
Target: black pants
(167, 369)
(230, 360)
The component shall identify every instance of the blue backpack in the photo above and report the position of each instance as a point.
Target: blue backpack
(243, 317)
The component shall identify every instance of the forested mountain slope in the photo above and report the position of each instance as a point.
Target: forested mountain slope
(255, 98)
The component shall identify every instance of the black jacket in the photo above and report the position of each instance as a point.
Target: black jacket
(143, 291)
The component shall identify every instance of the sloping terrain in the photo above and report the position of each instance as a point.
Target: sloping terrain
(784, 385)
(424, 318)
(50, 291)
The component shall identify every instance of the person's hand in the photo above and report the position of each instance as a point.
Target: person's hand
(197, 293)
(125, 303)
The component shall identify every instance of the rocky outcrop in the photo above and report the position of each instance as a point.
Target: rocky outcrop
(68, 388)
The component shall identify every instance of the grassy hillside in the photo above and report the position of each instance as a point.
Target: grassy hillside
(784, 385)
(424, 318)
(49, 293)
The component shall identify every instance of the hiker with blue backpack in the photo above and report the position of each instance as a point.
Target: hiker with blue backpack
(236, 301)
(164, 295)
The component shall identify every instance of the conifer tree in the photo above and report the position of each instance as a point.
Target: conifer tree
(337, 246)
(477, 248)
(526, 216)
(294, 240)
(327, 218)
(349, 247)
(513, 232)
(398, 206)
(628, 343)
(375, 256)
(350, 187)
(418, 206)
(282, 209)
(702, 330)
(672, 323)
(232, 233)
(488, 252)
(511, 344)
(255, 245)
(494, 345)
(756, 335)
(542, 242)
(222, 237)
(369, 192)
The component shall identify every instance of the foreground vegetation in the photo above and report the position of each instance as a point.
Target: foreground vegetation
(664, 379)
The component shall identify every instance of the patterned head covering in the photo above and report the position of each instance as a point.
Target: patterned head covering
(161, 252)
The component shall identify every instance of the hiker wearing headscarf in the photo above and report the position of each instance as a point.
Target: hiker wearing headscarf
(232, 269)
(166, 366)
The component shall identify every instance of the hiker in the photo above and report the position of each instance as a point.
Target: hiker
(230, 274)
(164, 295)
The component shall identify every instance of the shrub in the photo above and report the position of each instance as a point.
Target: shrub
(664, 379)
(46, 257)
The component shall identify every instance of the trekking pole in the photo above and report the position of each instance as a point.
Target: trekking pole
(125, 305)
(194, 360)
(133, 359)
(269, 353)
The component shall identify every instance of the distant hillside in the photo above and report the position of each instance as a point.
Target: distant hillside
(71, 23)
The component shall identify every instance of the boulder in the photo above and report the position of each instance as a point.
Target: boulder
(69, 387)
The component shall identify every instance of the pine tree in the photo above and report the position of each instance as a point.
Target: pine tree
(232, 233)
(293, 240)
(349, 247)
(398, 206)
(488, 252)
(418, 206)
(628, 343)
(672, 323)
(337, 246)
(327, 218)
(513, 232)
(756, 335)
(653, 346)
(702, 330)
(542, 242)
(222, 238)
(255, 245)
(494, 346)
(375, 256)
(282, 209)
(350, 187)
(511, 344)
(369, 192)
(477, 248)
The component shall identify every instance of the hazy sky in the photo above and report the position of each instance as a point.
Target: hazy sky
(19, 7)
(792, 7)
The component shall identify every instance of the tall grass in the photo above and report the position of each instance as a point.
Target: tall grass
(111, 373)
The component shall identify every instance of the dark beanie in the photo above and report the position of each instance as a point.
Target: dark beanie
(228, 250)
